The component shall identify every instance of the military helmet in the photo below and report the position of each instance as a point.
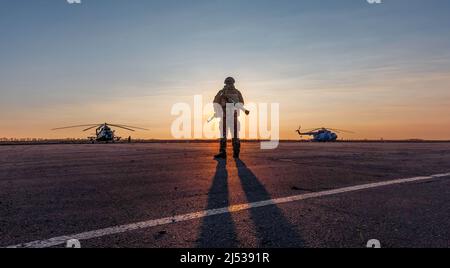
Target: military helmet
(230, 81)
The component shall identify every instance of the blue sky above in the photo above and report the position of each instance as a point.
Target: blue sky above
(54, 53)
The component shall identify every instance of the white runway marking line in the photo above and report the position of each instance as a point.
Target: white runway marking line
(206, 213)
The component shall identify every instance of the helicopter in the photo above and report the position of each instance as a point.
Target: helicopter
(103, 132)
(322, 134)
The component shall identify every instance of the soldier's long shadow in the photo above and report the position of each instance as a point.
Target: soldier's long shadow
(218, 231)
(272, 227)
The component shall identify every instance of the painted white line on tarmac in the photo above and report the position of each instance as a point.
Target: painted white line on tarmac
(60, 240)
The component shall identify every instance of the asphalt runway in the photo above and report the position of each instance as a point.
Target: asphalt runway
(175, 195)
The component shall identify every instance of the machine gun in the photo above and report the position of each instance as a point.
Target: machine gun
(237, 105)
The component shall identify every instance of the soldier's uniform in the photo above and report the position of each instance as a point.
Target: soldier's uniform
(229, 95)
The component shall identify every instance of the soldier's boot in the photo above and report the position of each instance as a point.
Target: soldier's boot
(236, 148)
(223, 150)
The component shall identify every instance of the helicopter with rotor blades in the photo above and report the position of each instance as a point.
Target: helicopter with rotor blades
(322, 134)
(103, 132)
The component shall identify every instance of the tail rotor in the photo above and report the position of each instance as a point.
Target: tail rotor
(299, 131)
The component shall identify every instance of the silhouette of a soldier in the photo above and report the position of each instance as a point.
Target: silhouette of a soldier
(229, 97)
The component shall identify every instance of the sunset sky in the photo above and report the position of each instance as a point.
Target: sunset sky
(380, 70)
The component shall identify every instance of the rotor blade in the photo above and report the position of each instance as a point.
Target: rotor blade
(90, 128)
(124, 126)
(76, 126)
(312, 129)
(341, 130)
(134, 127)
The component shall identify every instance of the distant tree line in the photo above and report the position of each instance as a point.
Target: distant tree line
(35, 139)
